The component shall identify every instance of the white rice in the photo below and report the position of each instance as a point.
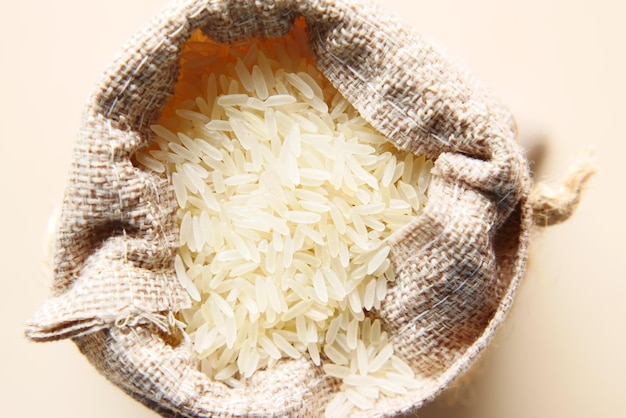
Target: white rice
(286, 200)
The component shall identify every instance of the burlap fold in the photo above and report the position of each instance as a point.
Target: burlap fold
(458, 264)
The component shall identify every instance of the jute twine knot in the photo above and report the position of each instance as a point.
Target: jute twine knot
(554, 204)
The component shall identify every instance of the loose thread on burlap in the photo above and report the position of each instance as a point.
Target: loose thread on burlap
(166, 322)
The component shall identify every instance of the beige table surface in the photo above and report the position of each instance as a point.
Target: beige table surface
(559, 64)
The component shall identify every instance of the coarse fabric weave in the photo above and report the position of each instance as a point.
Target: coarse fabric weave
(457, 265)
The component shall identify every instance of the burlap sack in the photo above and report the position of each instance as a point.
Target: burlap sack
(458, 264)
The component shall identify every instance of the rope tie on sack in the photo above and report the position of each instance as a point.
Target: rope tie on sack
(554, 204)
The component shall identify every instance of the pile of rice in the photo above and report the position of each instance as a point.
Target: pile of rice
(287, 197)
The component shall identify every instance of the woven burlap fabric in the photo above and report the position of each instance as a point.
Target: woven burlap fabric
(458, 264)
